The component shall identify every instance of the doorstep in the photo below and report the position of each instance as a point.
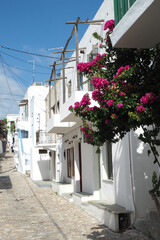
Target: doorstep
(115, 217)
(43, 183)
(82, 197)
(62, 187)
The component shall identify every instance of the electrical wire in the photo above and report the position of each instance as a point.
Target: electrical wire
(7, 80)
(13, 72)
(35, 54)
(22, 60)
(9, 99)
(27, 70)
(13, 94)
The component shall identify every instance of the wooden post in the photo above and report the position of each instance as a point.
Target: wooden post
(49, 100)
(77, 55)
(49, 96)
(55, 90)
(63, 71)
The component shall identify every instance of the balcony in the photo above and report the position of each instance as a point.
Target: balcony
(44, 139)
(68, 116)
(55, 126)
(137, 28)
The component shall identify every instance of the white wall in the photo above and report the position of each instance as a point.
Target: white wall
(143, 168)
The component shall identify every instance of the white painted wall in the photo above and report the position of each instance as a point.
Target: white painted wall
(143, 168)
(90, 172)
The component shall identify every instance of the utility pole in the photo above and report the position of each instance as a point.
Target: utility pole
(34, 63)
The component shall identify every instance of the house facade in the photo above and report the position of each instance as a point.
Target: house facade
(31, 155)
(115, 184)
(12, 119)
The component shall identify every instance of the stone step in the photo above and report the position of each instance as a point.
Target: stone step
(115, 217)
(62, 187)
(43, 184)
(81, 197)
(68, 197)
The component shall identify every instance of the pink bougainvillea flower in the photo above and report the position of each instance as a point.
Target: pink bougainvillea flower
(85, 100)
(107, 121)
(113, 116)
(144, 100)
(121, 69)
(100, 83)
(140, 109)
(122, 94)
(148, 98)
(120, 105)
(70, 107)
(109, 25)
(96, 95)
(110, 103)
(76, 105)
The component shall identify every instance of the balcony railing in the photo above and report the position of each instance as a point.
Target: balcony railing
(120, 8)
(43, 137)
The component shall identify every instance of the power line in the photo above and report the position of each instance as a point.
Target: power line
(35, 54)
(26, 70)
(13, 94)
(13, 72)
(1, 99)
(7, 80)
(22, 60)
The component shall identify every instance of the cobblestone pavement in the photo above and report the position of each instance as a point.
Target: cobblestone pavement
(29, 212)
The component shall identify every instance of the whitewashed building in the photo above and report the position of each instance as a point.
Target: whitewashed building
(112, 187)
(12, 119)
(30, 154)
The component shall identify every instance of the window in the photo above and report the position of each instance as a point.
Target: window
(108, 168)
(24, 134)
(70, 162)
(42, 151)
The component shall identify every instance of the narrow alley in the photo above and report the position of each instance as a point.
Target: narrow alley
(30, 212)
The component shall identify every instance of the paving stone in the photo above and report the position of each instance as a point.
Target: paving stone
(29, 212)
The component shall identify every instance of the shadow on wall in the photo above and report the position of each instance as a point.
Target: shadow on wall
(44, 169)
(5, 182)
(142, 167)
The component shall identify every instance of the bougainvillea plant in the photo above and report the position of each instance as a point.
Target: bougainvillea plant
(126, 95)
(3, 129)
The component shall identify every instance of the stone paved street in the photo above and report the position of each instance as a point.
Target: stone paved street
(29, 212)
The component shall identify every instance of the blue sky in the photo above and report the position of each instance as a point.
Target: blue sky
(34, 26)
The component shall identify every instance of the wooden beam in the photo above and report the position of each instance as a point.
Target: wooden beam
(66, 59)
(86, 22)
(63, 73)
(70, 50)
(51, 80)
(77, 55)
(62, 68)
(65, 62)
(70, 36)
